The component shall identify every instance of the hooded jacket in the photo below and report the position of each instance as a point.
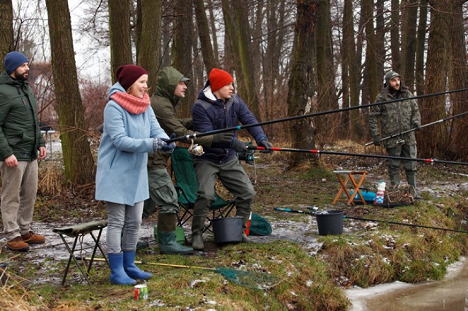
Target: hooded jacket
(166, 105)
(19, 129)
(395, 117)
(127, 138)
(210, 113)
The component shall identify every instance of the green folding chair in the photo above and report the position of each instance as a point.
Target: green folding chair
(186, 185)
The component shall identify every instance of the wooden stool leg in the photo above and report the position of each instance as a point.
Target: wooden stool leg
(357, 186)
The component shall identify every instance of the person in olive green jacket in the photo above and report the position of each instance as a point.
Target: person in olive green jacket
(395, 118)
(20, 142)
(165, 102)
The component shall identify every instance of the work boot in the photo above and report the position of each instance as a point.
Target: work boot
(198, 223)
(32, 238)
(131, 269)
(167, 238)
(118, 274)
(18, 244)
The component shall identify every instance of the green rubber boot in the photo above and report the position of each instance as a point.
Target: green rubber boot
(198, 223)
(167, 237)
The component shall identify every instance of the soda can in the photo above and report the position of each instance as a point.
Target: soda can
(141, 292)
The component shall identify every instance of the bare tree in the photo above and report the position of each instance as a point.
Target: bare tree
(433, 108)
(77, 157)
(420, 47)
(6, 29)
(181, 49)
(149, 39)
(119, 33)
(204, 34)
(408, 41)
(302, 79)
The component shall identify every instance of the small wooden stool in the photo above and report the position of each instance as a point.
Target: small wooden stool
(79, 231)
(349, 177)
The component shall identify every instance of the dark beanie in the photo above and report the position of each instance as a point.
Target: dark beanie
(219, 78)
(13, 60)
(128, 74)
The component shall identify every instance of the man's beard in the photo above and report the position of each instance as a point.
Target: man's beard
(22, 76)
(393, 90)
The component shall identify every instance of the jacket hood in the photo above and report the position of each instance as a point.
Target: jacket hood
(5, 78)
(168, 78)
(206, 94)
(117, 87)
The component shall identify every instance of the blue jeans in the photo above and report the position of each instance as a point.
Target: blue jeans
(118, 216)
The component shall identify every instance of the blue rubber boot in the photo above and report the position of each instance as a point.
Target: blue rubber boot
(133, 271)
(118, 274)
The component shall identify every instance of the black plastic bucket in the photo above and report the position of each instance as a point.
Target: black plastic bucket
(330, 222)
(228, 229)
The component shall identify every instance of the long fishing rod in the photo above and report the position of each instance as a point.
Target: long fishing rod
(289, 210)
(239, 127)
(422, 126)
(365, 155)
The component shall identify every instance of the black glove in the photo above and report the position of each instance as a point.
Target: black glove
(376, 140)
(238, 146)
(265, 144)
(168, 147)
(417, 126)
(223, 137)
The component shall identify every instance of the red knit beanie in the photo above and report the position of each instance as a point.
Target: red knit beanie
(128, 74)
(219, 78)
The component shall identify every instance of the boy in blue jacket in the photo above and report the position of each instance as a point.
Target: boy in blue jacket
(217, 108)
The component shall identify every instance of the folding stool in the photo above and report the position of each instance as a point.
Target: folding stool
(78, 232)
(356, 186)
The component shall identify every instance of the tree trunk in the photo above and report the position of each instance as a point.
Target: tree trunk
(242, 40)
(77, 157)
(119, 33)
(150, 39)
(325, 72)
(351, 90)
(395, 35)
(420, 47)
(458, 147)
(434, 143)
(408, 41)
(181, 50)
(301, 81)
(6, 30)
(204, 34)
(371, 57)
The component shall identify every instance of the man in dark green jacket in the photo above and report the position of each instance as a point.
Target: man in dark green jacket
(20, 142)
(395, 118)
(170, 88)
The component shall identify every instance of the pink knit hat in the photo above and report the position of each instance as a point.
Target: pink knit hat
(128, 74)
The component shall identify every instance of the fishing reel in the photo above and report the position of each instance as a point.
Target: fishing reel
(195, 149)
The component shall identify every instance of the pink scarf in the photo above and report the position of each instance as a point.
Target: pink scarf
(132, 104)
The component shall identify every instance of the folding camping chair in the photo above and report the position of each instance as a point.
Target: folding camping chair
(78, 232)
(187, 187)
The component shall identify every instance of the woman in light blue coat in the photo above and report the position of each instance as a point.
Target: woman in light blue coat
(130, 131)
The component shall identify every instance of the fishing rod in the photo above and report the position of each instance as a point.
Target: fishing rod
(289, 210)
(239, 127)
(422, 126)
(431, 161)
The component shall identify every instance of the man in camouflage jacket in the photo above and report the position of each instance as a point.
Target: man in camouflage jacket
(395, 118)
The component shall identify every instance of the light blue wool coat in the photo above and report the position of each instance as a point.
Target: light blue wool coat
(127, 138)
